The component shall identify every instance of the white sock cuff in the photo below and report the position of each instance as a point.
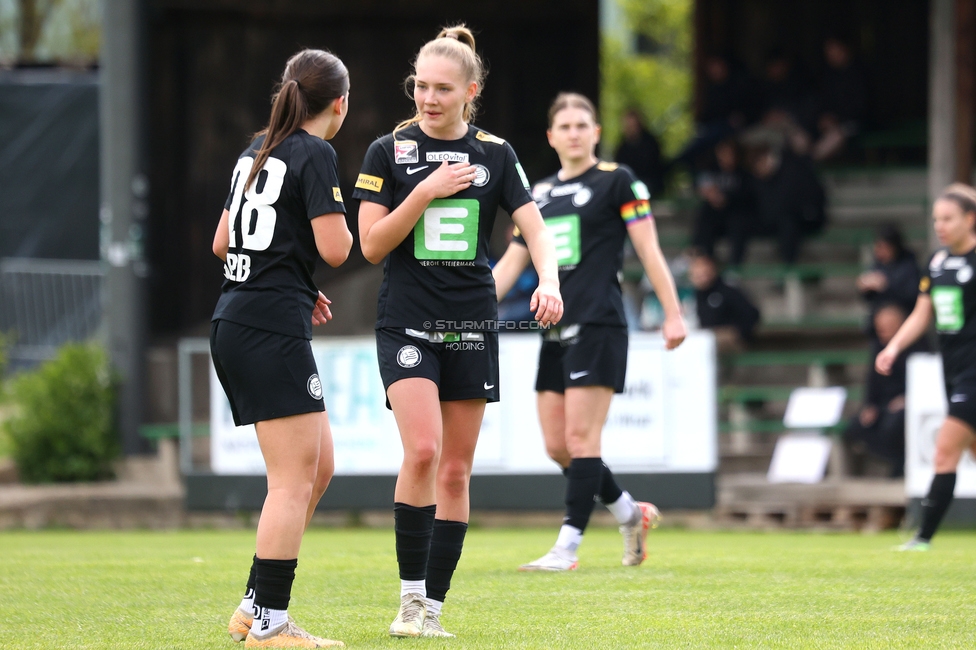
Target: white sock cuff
(623, 508)
(569, 539)
(434, 606)
(413, 587)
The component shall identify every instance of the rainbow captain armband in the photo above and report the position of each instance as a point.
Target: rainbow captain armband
(635, 211)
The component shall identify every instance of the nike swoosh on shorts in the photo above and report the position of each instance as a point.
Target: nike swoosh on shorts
(573, 376)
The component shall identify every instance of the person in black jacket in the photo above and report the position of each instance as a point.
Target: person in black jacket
(640, 151)
(722, 308)
(842, 100)
(893, 277)
(790, 200)
(727, 197)
(879, 428)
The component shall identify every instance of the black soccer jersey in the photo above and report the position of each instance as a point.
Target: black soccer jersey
(948, 279)
(588, 217)
(438, 278)
(268, 274)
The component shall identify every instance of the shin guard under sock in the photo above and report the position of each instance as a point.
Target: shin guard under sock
(414, 527)
(272, 582)
(581, 490)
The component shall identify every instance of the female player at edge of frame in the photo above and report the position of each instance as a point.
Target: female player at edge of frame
(592, 205)
(284, 208)
(947, 289)
(429, 193)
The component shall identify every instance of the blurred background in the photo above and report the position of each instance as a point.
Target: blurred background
(792, 149)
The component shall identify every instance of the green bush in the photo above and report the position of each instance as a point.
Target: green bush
(63, 424)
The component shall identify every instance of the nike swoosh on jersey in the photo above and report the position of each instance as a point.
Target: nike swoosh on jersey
(414, 170)
(489, 386)
(959, 397)
(573, 376)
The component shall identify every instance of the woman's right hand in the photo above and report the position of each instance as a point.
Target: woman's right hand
(885, 360)
(449, 179)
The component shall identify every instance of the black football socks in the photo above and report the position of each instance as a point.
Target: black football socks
(272, 591)
(585, 475)
(414, 527)
(934, 506)
(445, 551)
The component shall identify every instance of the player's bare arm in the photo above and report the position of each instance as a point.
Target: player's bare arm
(643, 234)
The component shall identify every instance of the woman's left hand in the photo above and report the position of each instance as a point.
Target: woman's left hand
(674, 332)
(547, 303)
(321, 314)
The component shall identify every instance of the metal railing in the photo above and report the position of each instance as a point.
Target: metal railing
(47, 303)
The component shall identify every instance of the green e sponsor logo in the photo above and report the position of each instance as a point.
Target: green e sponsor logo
(566, 236)
(447, 230)
(949, 315)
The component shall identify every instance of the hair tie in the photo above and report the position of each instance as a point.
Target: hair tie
(452, 35)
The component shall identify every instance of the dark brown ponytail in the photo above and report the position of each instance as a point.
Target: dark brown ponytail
(312, 80)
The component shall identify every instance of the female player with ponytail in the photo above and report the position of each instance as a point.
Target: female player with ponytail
(593, 205)
(284, 210)
(948, 290)
(429, 194)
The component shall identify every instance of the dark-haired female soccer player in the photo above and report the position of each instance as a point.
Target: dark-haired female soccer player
(590, 206)
(948, 290)
(429, 194)
(284, 210)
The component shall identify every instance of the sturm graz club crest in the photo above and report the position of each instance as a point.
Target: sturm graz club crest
(314, 387)
(408, 356)
(481, 176)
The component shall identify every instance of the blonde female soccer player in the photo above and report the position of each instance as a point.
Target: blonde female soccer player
(590, 206)
(429, 194)
(947, 289)
(284, 210)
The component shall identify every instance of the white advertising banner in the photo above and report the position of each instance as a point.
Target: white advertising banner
(665, 421)
(925, 408)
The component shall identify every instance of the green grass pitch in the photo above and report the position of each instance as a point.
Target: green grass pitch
(62, 589)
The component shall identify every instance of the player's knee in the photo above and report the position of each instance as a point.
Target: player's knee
(452, 478)
(323, 478)
(422, 455)
(580, 442)
(946, 458)
(558, 453)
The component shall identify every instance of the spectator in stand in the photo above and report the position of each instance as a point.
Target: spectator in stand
(842, 101)
(784, 95)
(878, 431)
(640, 151)
(790, 202)
(727, 106)
(726, 193)
(893, 277)
(722, 308)
(727, 98)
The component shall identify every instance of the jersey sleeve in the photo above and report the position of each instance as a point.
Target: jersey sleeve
(633, 197)
(515, 184)
(925, 282)
(320, 182)
(375, 181)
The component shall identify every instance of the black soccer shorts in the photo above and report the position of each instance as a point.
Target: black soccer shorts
(264, 374)
(464, 365)
(961, 393)
(583, 355)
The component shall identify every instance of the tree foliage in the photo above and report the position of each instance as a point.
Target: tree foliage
(657, 78)
(46, 31)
